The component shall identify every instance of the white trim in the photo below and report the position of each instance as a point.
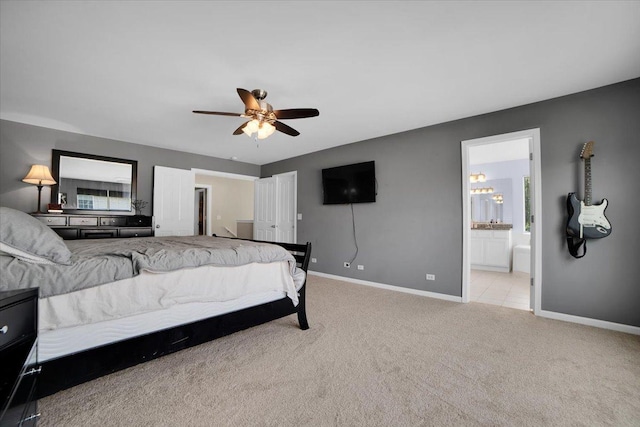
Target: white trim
(389, 287)
(536, 235)
(224, 174)
(603, 324)
(535, 180)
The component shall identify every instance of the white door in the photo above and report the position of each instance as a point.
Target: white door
(264, 218)
(275, 208)
(173, 206)
(286, 208)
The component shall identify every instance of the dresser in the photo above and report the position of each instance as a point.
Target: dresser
(71, 227)
(18, 357)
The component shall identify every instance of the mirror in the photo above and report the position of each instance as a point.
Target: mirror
(485, 209)
(93, 184)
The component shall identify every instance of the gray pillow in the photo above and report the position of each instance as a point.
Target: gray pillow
(25, 233)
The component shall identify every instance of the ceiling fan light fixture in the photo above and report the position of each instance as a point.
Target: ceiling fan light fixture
(251, 127)
(266, 130)
(264, 119)
(262, 129)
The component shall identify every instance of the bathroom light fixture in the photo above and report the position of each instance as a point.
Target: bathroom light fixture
(482, 190)
(39, 175)
(477, 177)
(498, 198)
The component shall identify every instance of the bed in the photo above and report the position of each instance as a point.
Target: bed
(108, 304)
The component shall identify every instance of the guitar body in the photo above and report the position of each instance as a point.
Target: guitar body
(587, 221)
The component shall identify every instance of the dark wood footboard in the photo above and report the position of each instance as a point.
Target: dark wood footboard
(68, 371)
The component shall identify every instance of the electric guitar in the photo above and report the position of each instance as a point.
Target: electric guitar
(587, 221)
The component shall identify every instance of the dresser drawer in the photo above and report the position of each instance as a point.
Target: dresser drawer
(98, 233)
(136, 232)
(114, 222)
(88, 220)
(31, 415)
(21, 409)
(53, 221)
(139, 221)
(17, 321)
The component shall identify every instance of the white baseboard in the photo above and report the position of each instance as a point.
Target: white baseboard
(603, 324)
(635, 330)
(389, 287)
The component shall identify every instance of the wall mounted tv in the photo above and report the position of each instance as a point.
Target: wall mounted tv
(349, 184)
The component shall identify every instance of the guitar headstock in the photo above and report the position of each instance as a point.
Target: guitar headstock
(587, 150)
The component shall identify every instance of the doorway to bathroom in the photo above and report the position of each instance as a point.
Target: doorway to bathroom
(500, 185)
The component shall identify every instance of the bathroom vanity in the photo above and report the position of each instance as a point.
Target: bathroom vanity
(490, 247)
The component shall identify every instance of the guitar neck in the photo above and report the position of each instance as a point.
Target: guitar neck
(587, 181)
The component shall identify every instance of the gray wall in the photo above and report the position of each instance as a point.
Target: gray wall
(414, 228)
(22, 145)
(415, 225)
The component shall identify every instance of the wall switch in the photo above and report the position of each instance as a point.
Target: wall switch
(431, 277)
(299, 217)
(218, 217)
(347, 265)
(314, 260)
(360, 267)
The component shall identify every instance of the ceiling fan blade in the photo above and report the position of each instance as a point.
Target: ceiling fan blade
(218, 113)
(296, 113)
(239, 130)
(249, 100)
(286, 129)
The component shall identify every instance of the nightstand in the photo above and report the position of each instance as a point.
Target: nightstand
(18, 357)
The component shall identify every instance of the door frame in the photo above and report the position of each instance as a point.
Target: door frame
(209, 204)
(536, 209)
(230, 175)
(224, 174)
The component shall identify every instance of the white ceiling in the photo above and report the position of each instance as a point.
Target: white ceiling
(518, 149)
(134, 71)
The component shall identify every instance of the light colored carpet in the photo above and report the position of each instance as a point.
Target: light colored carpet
(376, 357)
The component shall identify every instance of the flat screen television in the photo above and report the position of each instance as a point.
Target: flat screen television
(349, 184)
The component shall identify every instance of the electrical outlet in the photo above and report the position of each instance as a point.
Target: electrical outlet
(431, 276)
(299, 217)
(360, 267)
(314, 260)
(347, 265)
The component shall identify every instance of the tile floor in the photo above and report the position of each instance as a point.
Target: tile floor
(504, 289)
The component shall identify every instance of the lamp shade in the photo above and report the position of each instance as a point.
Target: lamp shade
(39, 175)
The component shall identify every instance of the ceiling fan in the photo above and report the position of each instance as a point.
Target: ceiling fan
(264, 119)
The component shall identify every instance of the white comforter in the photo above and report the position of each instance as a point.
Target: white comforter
(155, 291)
